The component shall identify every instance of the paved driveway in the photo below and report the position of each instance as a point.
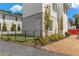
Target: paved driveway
(13, 49)
(69, 46)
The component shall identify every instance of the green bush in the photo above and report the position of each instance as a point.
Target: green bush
(55, 37)
(4, 27)
(18, 27)
(67, 34)
(41, 41)
(13, 28)
(44, 41)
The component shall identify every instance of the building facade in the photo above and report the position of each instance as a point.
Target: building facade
(9, 20)
(33, 18)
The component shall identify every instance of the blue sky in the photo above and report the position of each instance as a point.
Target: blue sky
(73, 10)
(14, 7)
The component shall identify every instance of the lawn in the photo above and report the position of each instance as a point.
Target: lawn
(17, 38)
(29, 40)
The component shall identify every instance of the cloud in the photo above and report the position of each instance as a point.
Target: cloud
(16, 8)
(75, 5)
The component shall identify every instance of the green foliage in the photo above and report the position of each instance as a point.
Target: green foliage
(61, 24)
(13, 28)
(67, 34)
(55, 37)
(41, 41)
(44, 41)
(47, 19)
(19, 27)
(0, 26)
(76, 16)
(18, 14)
(4, 27)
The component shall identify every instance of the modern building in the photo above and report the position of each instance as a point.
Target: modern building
(9, 20)
(33, 18)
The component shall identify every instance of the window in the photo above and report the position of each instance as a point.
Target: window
(50, 25)
(54, 6)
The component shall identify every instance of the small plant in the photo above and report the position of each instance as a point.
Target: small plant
(67, 34)
(44, 41)
(41, 41)
(19, 27)
(55, 37)
(13, 28)
(4, 28)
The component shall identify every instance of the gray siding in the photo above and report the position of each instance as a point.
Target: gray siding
(32, 23)
(31, 8)
(10, 17)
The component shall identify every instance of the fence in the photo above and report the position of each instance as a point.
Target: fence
(20, 35)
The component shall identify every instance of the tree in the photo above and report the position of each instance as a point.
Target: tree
(18, 14)
(13, 28)
(47, 19)
(4, 28)
(76, 17)
(72, 23)
(19, 27)
(61, 25)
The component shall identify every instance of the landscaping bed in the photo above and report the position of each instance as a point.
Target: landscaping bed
(30, 40)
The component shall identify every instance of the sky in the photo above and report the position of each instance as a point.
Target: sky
(13, 7)
(73, 10)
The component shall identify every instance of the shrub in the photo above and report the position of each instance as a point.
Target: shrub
(18, 27)
(55, 37)
(36, 40)
(13, 28)
(4, 28)
(67, 34)
(44, 41)
(41, 41)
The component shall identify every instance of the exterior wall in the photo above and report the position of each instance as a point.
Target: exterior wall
(31, 9)
(54, 21)
(32, 18)
(32, 23)
(9, 20)
(35, 22)
(62, 13)
(65, 23)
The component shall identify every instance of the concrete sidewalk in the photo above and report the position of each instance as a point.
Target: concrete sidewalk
(68, 46)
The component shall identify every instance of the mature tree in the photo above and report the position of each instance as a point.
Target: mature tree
(47, 19)
(76, 17)
(72, 23)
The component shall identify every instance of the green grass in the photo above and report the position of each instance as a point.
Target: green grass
(17, 38)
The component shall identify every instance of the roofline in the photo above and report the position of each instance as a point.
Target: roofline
(11, 15)
(32, 15)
